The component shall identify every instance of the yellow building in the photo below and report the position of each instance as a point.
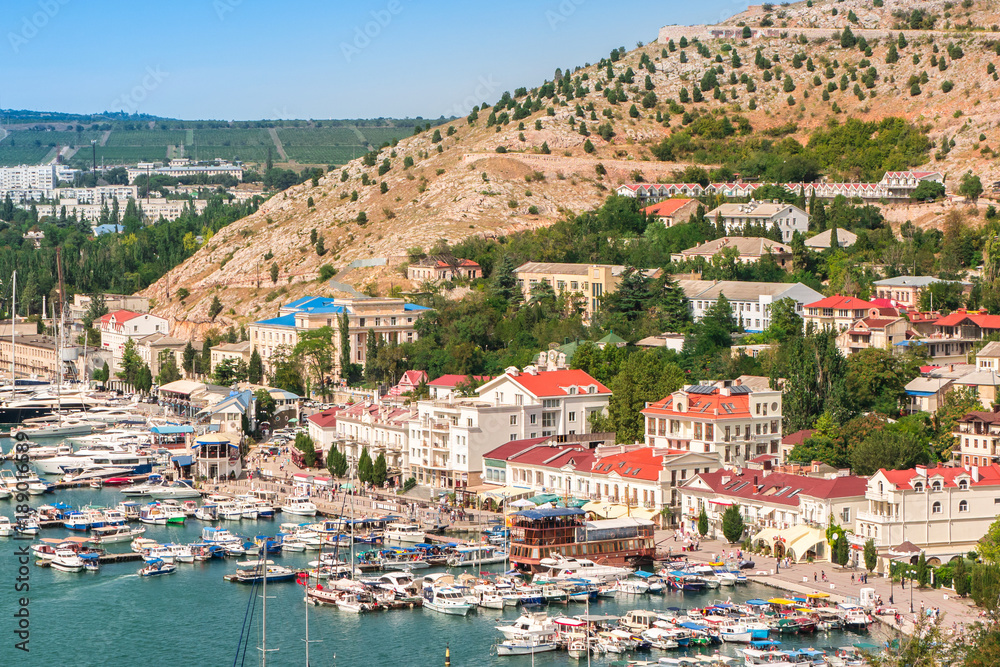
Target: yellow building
(590, 281)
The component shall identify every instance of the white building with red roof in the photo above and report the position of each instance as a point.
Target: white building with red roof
(838, 312)
(448, 437)
(673, 211)
(728, 419)
(380, 427)
(882, 333)
(775, 502)
(443, 386)
(119, 327)
(943, 510)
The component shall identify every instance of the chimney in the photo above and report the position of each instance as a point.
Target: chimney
(921, 470)
(975, 473)
(725, 479)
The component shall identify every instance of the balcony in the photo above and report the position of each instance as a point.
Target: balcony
(877, 517)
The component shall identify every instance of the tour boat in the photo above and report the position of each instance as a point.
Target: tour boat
(157, 566)
(66, 560)
(404, 533)
(299, 505)
(447, 601)
(116, 533)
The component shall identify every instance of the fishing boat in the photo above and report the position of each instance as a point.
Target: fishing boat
(156, 567)
(299, 505)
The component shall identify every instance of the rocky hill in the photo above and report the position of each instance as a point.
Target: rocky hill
(536, 163)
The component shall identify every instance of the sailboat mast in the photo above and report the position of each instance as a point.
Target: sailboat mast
(62, 301)
(13, 328)
(263, 622)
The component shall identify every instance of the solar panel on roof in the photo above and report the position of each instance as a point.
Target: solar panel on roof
(782, 491)
(740, 389)
(701, 389)
(793, 492)
(727, 407)
(705, 407)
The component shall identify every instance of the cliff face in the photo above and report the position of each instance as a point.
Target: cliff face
(461, 186)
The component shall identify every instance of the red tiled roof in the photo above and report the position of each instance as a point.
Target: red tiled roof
(324, 419)
(877, 322)
(119, 316)
(667, 207)
(513, 447)
(904, 479)
(636, 464)
(555, 383)
(453, 380)
(988, 417)
(982, 320)
(844, 302)
(554, 455)
(706, 405)
(798, 437)
(778, 488)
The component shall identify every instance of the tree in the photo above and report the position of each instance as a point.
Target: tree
(144, 379)
(588, 146)
(168, 368)
(286, 372)
(732, 524)
(703, 522)
(230, 371)
(95, 309)
(871, 556)
(503, 284)
(188, 358)
(343, 330)
(380, 470)
(315, 350)
(889, 449)
(927, 191)
(255, 370)
(336, 462)
(215, 308)
(923, 573)
(104, 374)
(874, 381)
(364, 466)
(971, 187)
(785, 322)
(644, 377)
(131, 363)
(960, 578)
(264, 407)
(305, 444)
(274, 273)
(892, 55)
(989, 544)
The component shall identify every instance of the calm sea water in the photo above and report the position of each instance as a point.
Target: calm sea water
(194, 617)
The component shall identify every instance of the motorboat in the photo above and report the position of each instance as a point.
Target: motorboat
(6, 527)
(527, 645)
(181, 553)
(299, 505)
(476, 555)
(404, 533)
(177, 490)
(156, 567)
(447, 600)
(538, 624)
(857, 619)
(249, 572)
(219, 536)
(561, 567)
(207, 512)
(66, 560)
(115, 533)
(230, 511)
(631, 587)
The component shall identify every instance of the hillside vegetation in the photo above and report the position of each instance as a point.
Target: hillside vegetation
(848, 109)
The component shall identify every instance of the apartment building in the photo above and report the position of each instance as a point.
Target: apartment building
(393, 320)
(120, 326)
(881, 333)
(37, 355)
(381, 428)
(154, 347)
(943, 510)
(448, 438)
(749, 249)
(750, 301)
(590, 281)
(906, 290)
(978, 436)
(238, 351)
(438, 268)
(729, 419)
(673, 211)
(81, 303)
(838, 312)
(181, 171)
(786, 217)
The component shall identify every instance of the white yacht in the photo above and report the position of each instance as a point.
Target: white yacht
(560, 567)
(406, 533)
(447, 601)
(6, 527)
(116, 533)
(174, 490)
(66, 560)
(300, 505)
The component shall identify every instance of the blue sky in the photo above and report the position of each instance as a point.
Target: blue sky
(251, 59)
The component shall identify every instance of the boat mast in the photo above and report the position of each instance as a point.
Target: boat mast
(263, 623)
(13, 327)
(59, 350)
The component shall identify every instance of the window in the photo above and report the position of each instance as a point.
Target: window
(936, 507)
(846, 515)
(572, 417)
(549, 419)
(513, 420)
(533, 419)
(918, 487)
(936, 486)
(963, 506)
(963, 484)
(550, 403)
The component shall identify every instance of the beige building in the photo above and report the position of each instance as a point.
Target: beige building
(750, 249)
(438, 268)
(873, 332)
(36, 355)
(151, 347)
(906, 290)
(393, 320)
(113, 302)
(838, 312)
(241, 350)
(119, 326)
(590, 281)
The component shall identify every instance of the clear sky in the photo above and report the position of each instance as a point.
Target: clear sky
(253, 59)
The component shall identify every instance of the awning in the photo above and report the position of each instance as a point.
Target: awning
(721, 501)
(508, 492)
(781, 601)
(182, 460)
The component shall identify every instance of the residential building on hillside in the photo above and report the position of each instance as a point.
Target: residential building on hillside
(154, 348)
(984, 384)
(786, 514)
(787, 218)
(669, 340)
(731, 420)
(881, 333)
(448, 438)
(988, 358)
(37, 355)
(408, 383)
(906, 290)
(673, 212)
(590, 281)
(978, 437)
(120, 326)
(495, 461)
(81, 303)
(750, 249)
(822, 241)
(750, 302)
(393, 320)
(926, 394)
(221, 168)
(792, 440)
(444, 386)
(943, 510)
(238, 351)
(381, 428)
(955, 335)
(838, 312)
(438, 268)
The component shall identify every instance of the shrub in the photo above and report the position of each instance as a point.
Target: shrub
(326, 272)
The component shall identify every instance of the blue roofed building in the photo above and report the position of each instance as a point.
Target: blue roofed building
(392, 319)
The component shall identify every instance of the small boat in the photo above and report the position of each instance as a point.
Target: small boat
(66, 560)
(249, 572)
(91, 561)
(527, 645)
(156, 567)
(404, 533)
(447, 601)
(535, 624)
(6, 527)
(299, 505)
(207, 512)
(857, 620)
(176, 490)
(112, 534)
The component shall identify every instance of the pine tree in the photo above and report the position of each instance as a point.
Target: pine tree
(274, 273)
(732, 524)
(255, 373)
(380, 470)
(923, 573)
(871, 556)
(364, 466)
(215, 308)
(960, 578)
(703, 523)
(371, 355)
(345, 347)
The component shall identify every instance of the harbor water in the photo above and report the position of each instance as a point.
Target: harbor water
(194, 617)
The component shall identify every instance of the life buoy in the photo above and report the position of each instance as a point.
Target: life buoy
(21, 437)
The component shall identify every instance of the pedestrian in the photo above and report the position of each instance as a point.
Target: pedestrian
(814, 575)
(822, 573)
(852, 579)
